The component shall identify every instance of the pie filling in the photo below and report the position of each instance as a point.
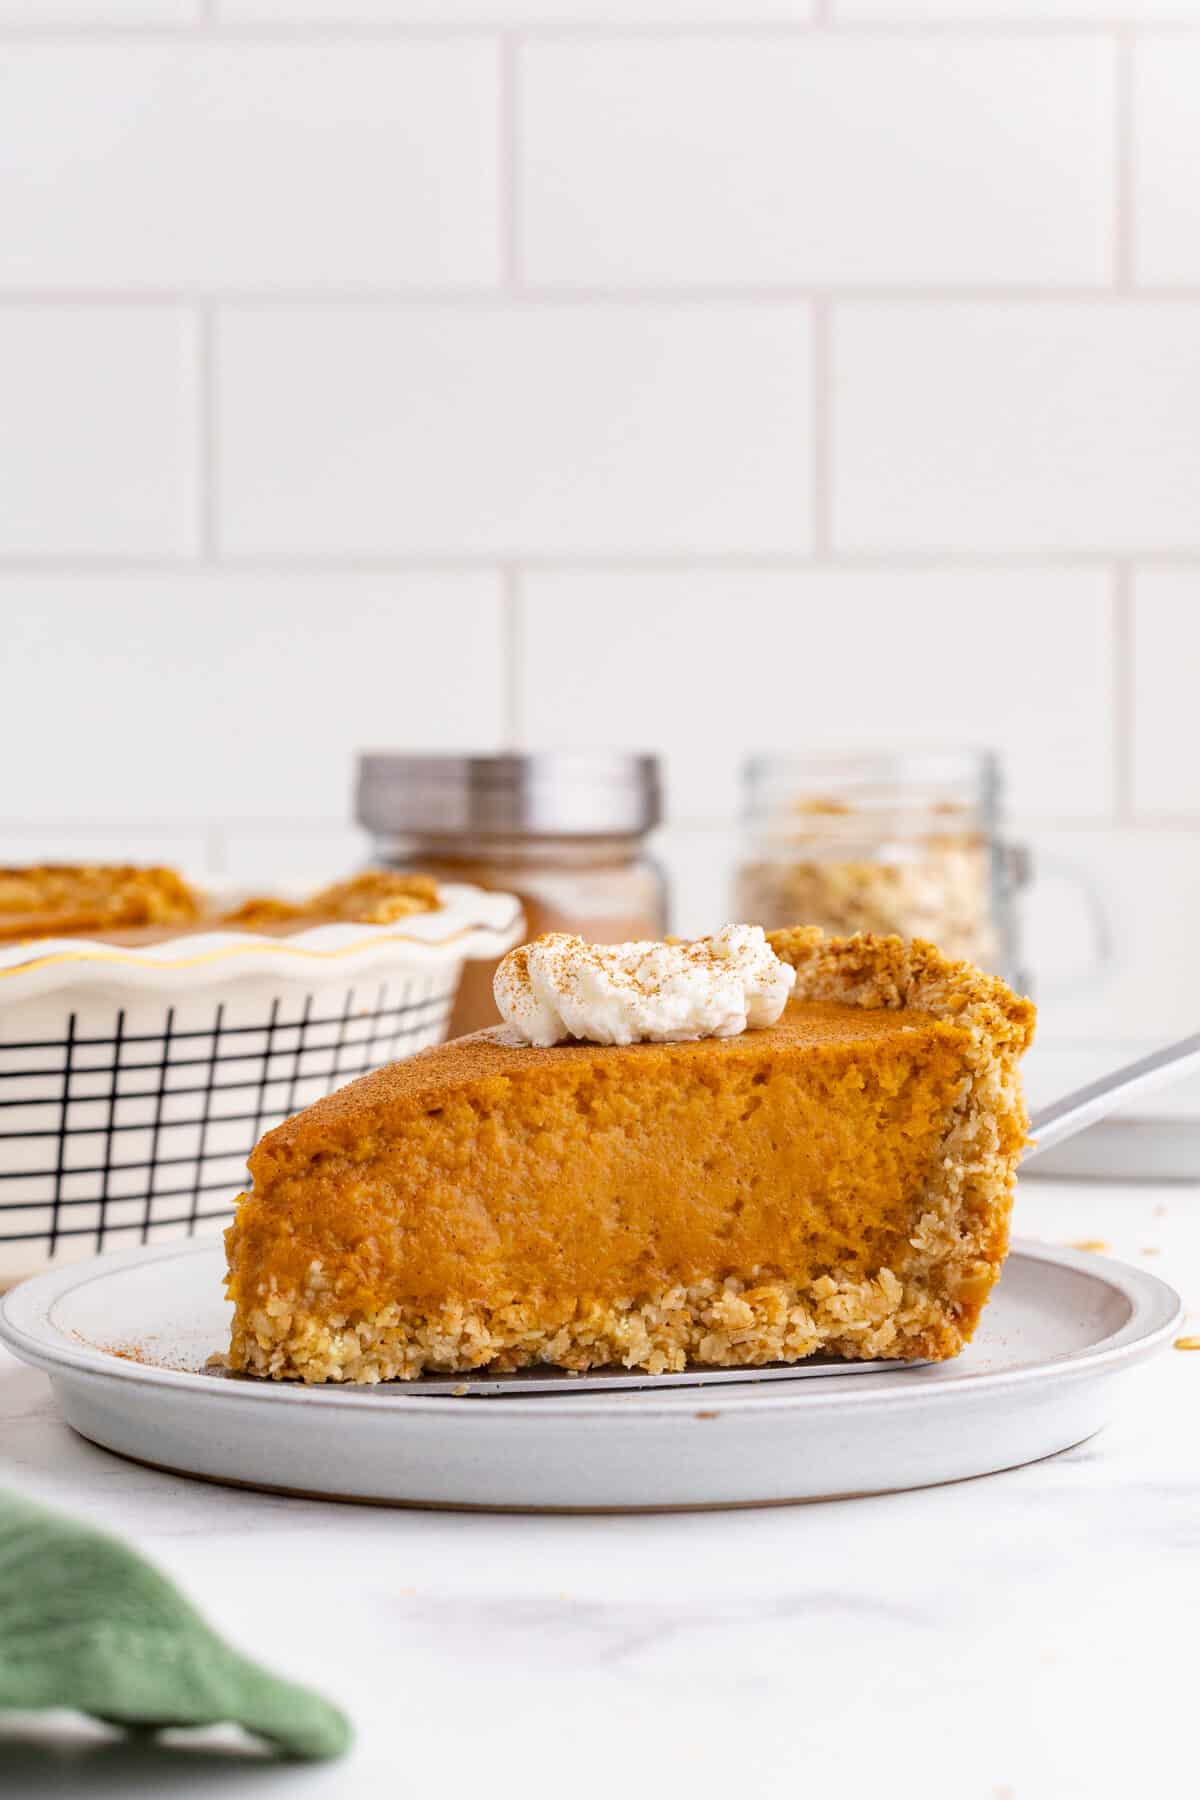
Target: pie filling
(840, 1181)
(126, 903)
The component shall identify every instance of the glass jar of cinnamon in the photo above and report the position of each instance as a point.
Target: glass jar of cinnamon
(564, 830)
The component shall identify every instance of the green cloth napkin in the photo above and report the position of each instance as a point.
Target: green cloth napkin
(86, 1624)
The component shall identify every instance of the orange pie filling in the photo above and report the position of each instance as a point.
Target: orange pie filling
(125, 903)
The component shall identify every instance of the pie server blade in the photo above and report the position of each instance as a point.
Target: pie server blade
(544, 1379)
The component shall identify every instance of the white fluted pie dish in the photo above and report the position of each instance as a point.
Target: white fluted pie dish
(136, 1079)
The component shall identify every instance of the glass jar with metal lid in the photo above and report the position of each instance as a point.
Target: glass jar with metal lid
(564, 830)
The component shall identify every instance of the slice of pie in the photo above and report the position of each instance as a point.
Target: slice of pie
(837, 1181)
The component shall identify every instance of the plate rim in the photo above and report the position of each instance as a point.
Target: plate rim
(28, 1331)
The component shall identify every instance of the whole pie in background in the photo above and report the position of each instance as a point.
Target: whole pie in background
(85, 899)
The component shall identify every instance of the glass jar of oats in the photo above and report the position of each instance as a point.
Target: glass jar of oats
(564, 830)
(881, 841)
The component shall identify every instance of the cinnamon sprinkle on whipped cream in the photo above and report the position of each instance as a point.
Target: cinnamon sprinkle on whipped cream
(559, 988)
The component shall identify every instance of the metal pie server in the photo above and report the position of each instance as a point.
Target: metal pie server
(1063, 1118)
(1049, 1126)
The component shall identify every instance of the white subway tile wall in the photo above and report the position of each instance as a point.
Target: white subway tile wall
(705, 660)
(710, 374)
(1016, 425)
(99, 431)
(823, 161)
(203, 163)
(1166, 767)
(49, 13)
(505, 429)
(1167, 161)
(222, 697)
(588, 13)
(1028, 12)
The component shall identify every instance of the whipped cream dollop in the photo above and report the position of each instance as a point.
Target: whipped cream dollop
(559, 987)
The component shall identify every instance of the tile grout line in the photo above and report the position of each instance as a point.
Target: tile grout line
(682, 561)
(493, 297)
(214, 836)
(1123, 703)
(209, 23)
(211, 831)
(1124, 278)
(822, 430)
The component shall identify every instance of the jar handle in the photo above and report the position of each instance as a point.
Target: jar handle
(1022, 875)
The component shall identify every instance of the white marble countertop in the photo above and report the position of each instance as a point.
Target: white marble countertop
(1028, 1636)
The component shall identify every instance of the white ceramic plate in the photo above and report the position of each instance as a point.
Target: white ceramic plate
(124, 1339)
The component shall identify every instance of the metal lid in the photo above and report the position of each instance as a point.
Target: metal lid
(556, 793)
